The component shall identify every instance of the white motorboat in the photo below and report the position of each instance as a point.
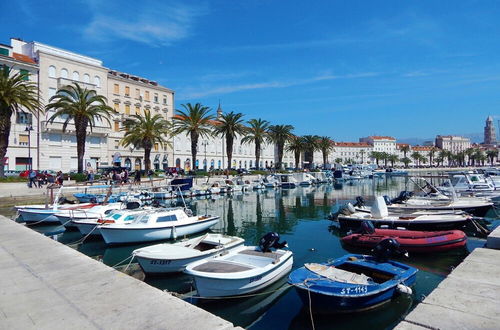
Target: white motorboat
(243, 270)
(304, 179)
(232, 186)
(406, 203)
(169, 258)
(96, 212)
(286, 181)
(378, 214)
(256, 184)
(40, 213)
(215, 188)
(88, 226)
(271, 181)
(157, 225)
(245, 184)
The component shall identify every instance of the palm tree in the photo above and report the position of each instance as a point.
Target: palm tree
(406, 161)
(479, 156)
(296, 145)
(311, 144)
(376, 155)
(492, 154)
(470, 155)
(385, 157)
(338, 160)
(442, 155)
(362, 152)
(432, 151)
(16, 95)
(145, 132)
(325, 145)
(405, 148)
(257, 134)
(417, 157)
(195, 121)
(230, 125)
(279, 135)
(393, 159)
(84, 107)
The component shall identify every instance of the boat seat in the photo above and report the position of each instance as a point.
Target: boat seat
(221, 267)
(339, 275)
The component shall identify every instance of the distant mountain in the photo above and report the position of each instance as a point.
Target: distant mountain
(414, 141)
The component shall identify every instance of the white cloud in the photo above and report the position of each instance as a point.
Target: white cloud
(150, 22)
(226, 89)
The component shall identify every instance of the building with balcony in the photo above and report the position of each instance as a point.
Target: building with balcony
(132, 95)
(23, 140)
(453, 143)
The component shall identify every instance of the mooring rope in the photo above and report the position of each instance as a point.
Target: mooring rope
(81, 240)
(182, 296)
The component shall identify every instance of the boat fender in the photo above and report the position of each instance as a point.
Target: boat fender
(387, 200)
(367, 227)
(351, 208)
(401, 228)
(174, 233)
(404, 289)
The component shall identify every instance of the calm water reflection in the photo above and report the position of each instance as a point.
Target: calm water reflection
(298, 215)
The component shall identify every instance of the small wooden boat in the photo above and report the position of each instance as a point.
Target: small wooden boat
(351, 283)
(243, 270)
(410, 240)
(169, 258)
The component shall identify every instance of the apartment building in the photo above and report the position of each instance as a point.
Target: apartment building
(23, 140)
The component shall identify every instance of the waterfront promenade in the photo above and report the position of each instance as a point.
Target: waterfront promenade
(47, 285)
(469, 298)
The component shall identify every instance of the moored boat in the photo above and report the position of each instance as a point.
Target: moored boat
(157, 225)
(243, 270)
(410, 240)
(351, 283)
(169, 258)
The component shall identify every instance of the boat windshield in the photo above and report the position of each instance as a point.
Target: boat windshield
(142, 219)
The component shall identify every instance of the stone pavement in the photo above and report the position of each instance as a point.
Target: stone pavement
(469, 298)
(47, 285)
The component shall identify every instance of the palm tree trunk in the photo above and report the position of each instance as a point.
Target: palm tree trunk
(325, 156)
(81, 136)
(257, 155)
(147, 158)
(4, 137)
(297, 159)
(229, 150)
(194, 149)
(280, 155)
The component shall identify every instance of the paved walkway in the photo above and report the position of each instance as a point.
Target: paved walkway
(469, 298)
(46, 285)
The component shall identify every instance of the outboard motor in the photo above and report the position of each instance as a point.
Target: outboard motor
(64, 200)
(271, 240)
(360, 202)
(133, 205)
(387, 248)
(367, 227)
(403, 196)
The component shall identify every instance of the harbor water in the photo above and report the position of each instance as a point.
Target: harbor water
(299, 216)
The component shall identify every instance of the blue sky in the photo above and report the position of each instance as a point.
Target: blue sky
(344, 69)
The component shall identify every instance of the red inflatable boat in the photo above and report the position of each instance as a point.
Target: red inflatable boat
(410, 240)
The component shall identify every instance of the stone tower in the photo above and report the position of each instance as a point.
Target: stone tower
(489, 132)
(219, 111)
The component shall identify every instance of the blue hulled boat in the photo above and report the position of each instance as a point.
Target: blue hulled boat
(351, 283)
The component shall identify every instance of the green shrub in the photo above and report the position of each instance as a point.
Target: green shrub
(78, 177)
(259, 172)
(13, 179)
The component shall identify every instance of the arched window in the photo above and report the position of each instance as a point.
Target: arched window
(86, 78)
(178, 163)
(64, 73)
(97, 81)
(52, 71)
(76, 76)
(245, 164)
(219, 164)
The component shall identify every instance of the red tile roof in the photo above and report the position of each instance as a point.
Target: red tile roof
(382, 138)
(23, 58)
(352, 144)
(421, 148)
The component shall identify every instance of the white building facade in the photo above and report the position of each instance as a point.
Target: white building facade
(453, 143)
(23, 142)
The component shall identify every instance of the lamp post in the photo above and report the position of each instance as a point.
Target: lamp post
(28, 129)
(204, 144)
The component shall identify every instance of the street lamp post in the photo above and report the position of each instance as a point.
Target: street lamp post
(204, 144)
(28, 129)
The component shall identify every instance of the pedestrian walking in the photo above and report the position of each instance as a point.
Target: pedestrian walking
(31, 178)
(137, 177)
